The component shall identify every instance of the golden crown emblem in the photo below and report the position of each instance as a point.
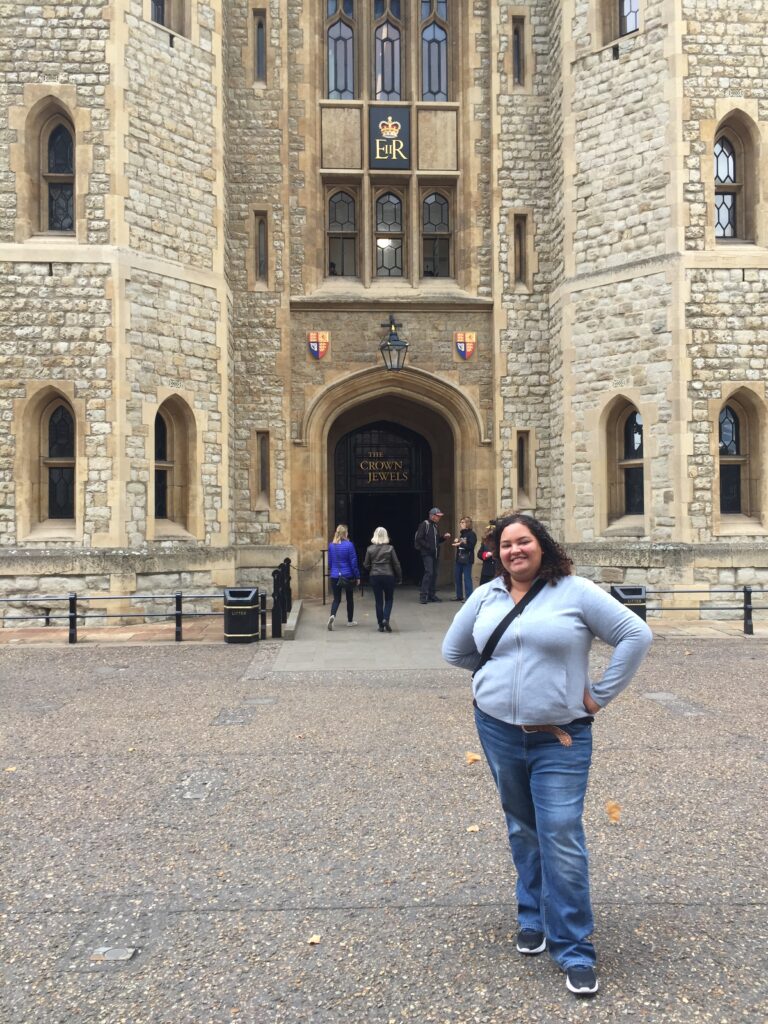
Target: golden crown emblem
(389, 129)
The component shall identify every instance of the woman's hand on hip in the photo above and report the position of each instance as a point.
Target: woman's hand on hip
(592, 706)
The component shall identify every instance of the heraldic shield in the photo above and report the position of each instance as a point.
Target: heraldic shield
(465, 343)
(318, 343)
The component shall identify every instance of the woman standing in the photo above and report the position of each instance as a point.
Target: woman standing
(344, 573)
(485, 555)
(384, 568)
(526, 637)
(465, 545)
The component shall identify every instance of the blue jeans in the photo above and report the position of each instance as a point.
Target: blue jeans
(463, 574)
(542, 784)
(337, 591)
(383, 588)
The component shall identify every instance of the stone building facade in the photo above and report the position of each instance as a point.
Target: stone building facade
(209, 212)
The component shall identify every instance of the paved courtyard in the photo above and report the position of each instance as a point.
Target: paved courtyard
(204, 833)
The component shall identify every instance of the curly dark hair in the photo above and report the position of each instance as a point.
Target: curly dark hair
(555, 563)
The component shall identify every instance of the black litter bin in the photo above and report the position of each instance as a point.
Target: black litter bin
(241, 615)
(632, 597)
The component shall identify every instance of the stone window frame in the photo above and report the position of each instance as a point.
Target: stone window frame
(744, 188)
(183, 520)
(260, 447)
(447, 192)
(523, 261)
(176, 16)
(605, 24)
(615, 520)
(520, 50)
(398, 188)
(352, 188)
(256, 280)
(526, 479)
(752, 413)
(43, 108)
(363, 24)
(31, 418)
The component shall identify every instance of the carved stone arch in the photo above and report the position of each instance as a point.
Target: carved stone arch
(419, 385)
(751, 411)
(177, 471)
(743, 133)
(32, 416)
(413, 398)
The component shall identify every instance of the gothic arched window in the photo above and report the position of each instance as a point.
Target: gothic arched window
(59, 462)
(434, 50)
(727, 188)
(59, 177)
(731, 461)
(389, 235)
(340, 39)
(342, 235)
(436, 236)
(387, 50)
(632, 464)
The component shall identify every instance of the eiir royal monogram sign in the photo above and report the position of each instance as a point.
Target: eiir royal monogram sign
(389, 131)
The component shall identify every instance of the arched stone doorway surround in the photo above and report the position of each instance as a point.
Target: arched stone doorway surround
(463, 468)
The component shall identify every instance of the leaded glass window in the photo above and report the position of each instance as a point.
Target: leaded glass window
(634, 502)
(726, 187)
(434, 50)
(341, 61)
(163, 467)
(389, 236)
(260, 47)
(436, 236)
(59, 178)
(629, 16)
(342, 235)
(60, 464)
(387, 56)
(729, 432)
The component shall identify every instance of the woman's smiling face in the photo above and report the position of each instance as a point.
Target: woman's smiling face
(520, 552)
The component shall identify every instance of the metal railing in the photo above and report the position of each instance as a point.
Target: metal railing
(76, 616)
(743, 608)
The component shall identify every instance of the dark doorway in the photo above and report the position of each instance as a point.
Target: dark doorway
(383, 477)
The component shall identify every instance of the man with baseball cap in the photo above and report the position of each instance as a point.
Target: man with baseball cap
(427, 542)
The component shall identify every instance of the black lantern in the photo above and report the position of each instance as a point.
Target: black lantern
(393, 348)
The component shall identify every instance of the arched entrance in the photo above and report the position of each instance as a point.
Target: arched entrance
(438, 424)
(383, 477)
(392, 459)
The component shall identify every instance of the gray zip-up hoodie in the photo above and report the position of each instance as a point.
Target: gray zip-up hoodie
(540, 668)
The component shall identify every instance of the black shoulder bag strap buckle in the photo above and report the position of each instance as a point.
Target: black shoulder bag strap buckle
(505, 623)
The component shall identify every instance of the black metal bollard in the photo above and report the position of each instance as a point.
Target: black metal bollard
(277, 604)
(177, 615)
(73, 618)
(262, 615)
(748, 627)
(287, 585)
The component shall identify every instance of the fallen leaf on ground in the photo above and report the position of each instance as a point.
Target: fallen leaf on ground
(613, 810)
(472, 757)
(473, 828)
(313, 940)
(11, 768)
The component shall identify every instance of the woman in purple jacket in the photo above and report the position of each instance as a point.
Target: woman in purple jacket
(344, 573)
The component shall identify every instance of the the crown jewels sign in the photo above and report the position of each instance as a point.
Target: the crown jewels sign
(318, 343)
(465, 343)
(390, 138)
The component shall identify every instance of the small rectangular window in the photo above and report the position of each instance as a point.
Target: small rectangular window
(522, 462)
(261, 263)
(629, 16)
(262, 474)
(260, 47)
(518, 51)
(520, 243)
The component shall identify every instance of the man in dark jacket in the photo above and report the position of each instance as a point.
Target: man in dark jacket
(427, 542)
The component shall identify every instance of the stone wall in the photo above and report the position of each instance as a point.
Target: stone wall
(255, 163)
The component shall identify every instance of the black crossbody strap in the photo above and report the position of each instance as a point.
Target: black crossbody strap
(505, 623)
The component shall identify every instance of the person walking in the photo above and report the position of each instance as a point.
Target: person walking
(344, 573)
(465, 545)
(526, 637)
(384, 571)
(427, 542)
